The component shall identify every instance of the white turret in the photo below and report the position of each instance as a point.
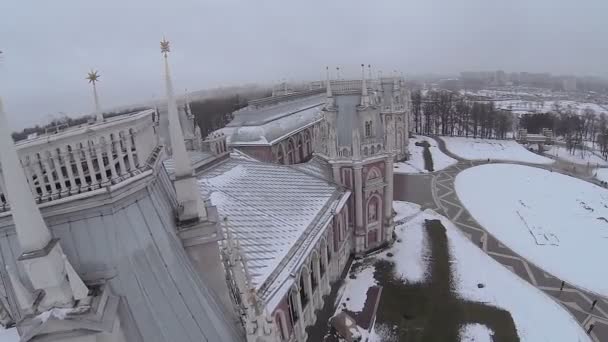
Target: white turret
(186, 187)
(42, 256)
(364, 95)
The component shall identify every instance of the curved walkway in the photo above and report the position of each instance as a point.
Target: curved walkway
(575, 300)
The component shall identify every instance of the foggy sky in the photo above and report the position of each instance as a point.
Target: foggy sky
(49, 46)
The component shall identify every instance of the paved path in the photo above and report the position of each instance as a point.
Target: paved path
(576, 301)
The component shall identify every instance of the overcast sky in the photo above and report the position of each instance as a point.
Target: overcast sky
(49, 46)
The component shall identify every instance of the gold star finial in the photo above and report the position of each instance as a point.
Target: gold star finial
(93, 76)
(164, 46)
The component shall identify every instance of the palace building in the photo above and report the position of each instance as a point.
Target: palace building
(135, 228)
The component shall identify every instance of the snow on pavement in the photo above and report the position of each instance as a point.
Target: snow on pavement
(482, 149)
(475, 333)
(537, 317)
(557, 222)
(416, 162)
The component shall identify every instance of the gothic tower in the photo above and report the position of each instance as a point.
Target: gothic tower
(360, 145)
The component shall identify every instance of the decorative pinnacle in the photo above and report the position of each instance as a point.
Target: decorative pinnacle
(93, 76)
(164, 47)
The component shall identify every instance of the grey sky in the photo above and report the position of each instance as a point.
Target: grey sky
(50, 45)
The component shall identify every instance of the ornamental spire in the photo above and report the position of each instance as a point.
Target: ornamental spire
(93, 77)
(364, 96)
(32, 232)
(190, 204)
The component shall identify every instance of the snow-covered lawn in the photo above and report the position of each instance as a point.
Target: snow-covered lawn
(537, 317)
(9, 335)
(416, 162)
(555, 221)
(601, 174)
(482, 149)
(579, 157)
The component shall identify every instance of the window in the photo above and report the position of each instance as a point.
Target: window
(279, 323)
(303, 294)
(368, 129)
(313, 276)
(293, 310)
(372, 210)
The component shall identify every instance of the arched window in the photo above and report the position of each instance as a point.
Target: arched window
(365, 151)
(290, 152)
(313, 276)
(308, 142)
(373, 150)
(293, 309)
(303, 294)
(280, 156)
(301, 148)
(369, 128)
(373, 209)
(373, 174)
(280, 324)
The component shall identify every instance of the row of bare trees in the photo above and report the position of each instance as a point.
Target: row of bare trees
(448, 113)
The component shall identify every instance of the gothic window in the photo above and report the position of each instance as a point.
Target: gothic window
(328, 252)
(373, 150)
(280, 324)
(301, 148)
(303, 294)
(372, 210)
(368, 129)
(313, 276)
(293, 309)
(308, 142)
(280, 156)
(365, 151)
(290, 152)
(322, 261)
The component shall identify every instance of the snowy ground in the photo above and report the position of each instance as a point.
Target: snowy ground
(555, 221)
(537, 317)
(416, 162)
(579, 157)
(601, 174)
(481, 149)
(9, 335)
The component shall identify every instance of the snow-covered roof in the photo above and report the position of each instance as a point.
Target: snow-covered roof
(197, 158)
(264, 125)
(276, 212)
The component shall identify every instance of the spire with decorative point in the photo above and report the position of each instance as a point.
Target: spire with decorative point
(364, 95)
(330, 98)
(93, 78)
(186, 188)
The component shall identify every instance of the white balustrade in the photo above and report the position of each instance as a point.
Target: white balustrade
(87, 153)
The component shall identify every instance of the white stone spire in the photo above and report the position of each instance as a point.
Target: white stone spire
(32, 232)
(329, 101)
(42, 257)
(93, 77)
(186, 186)
(364, 95)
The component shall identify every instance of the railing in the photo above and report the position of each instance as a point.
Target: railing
(86, 157)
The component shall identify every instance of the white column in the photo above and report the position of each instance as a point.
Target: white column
(68, 167)
(77, 154)
(120, 153)
(37, 169)
(109, 152)
(358, 189)
(129, 146)
(88, 157)
(100, 164)
(46, 164)
(57, 164)
(32, 232)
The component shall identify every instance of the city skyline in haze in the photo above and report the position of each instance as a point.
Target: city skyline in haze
(50, 48)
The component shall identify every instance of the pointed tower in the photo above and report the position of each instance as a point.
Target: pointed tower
(200, 233)
(186, 187)
(93, 77)
(42, 256)
(364, 94)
